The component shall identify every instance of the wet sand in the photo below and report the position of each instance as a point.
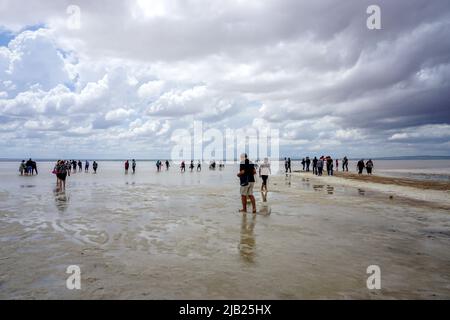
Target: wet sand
(172, 236)
(421, 184)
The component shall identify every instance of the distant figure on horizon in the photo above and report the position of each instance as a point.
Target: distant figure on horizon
(345, 164)
(369, 166)
(127, 165)
(95, 166)
(360, 165)
(86, 166)
(199, 166)
(289, 165)
(167, 165)
(191, 166)
(133, 166)
(303, 164)
(80, 165)
(183, 166)
(285, 164)
(337, 164)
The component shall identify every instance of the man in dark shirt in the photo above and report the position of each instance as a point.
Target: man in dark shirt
(33, 167)
(308, 163)
(345, 164)
(314, 162)
(29, 166)
(247, 180)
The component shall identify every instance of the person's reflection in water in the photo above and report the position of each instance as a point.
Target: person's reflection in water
(61, 200)
(264, 208)
(247, 244)
(264, 196)
(287, 180)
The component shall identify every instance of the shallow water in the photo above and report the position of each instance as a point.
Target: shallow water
(429, 170)
(172, 235)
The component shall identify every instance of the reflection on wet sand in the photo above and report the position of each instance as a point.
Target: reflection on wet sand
(248, 243)
(287, 180)
(318, 187)
(61, 200)
(264, 196)
(265, 209)
(27, 186)
(330, 189)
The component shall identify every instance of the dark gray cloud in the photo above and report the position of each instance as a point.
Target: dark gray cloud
(310, 68)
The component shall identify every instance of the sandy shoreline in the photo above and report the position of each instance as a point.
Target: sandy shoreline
(430, 192)
(405, 182)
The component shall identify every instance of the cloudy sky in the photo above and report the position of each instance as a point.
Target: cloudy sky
(136, 71)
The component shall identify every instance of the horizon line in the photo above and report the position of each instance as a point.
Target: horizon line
(415, 157)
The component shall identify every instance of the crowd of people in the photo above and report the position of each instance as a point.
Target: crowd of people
(246, 174)
(63, 169)
(248, 170)
(319, 165)
(160, 165)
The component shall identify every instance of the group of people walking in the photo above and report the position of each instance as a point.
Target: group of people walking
(74, 164)
(192, 166)
(63, 169)
(159, 165)
(327, 163)
(368, 165)
(198, 167)
(246, 174)
(133, 166)
(318, 165)
(28, 168)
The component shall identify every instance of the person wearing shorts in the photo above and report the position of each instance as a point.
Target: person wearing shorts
(247, 190)
(247, 180)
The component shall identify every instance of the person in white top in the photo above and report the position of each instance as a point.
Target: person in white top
(264, 172)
